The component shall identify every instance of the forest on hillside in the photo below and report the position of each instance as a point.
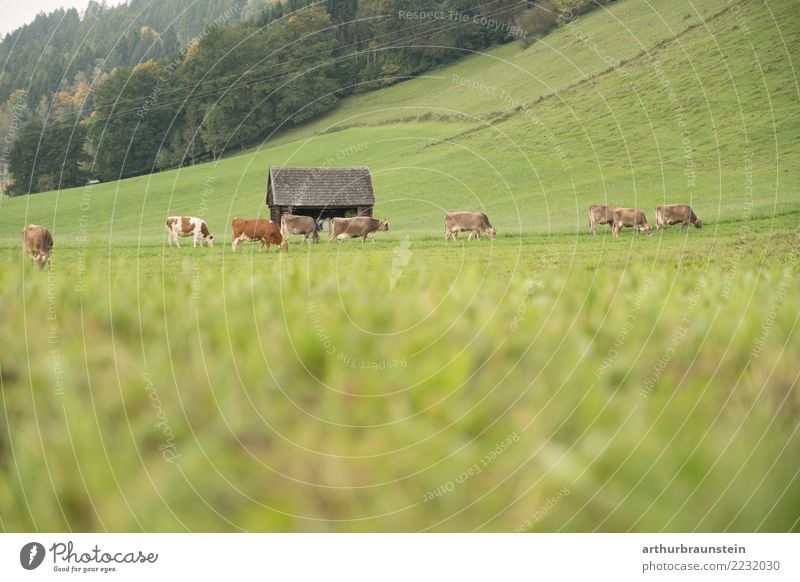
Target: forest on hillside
(144, 86)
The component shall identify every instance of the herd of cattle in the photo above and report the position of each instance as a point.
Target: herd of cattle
(618, 218)
(38, 241)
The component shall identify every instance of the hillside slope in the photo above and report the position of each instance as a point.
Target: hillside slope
(687, 102)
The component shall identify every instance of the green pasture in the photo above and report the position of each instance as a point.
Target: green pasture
(342, 388)
(548, 380)
(656, 106)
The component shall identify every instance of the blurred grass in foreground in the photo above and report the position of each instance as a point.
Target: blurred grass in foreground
(518, 385)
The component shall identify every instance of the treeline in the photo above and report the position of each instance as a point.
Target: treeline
(233, 82)
(51, 51)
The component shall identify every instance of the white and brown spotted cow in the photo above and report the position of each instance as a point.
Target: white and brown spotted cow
(676, 214)
(178, 226)
(477, 223)
(38, 242)
(600, 215)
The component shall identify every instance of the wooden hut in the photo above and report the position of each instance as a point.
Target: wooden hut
(319, 192)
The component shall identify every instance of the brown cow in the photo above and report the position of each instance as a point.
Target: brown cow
(359, 227)
(253, 229)
(305, 225)
(630, 217)
(178, 226)
(676, 213)
(37, 241)
(476, 223)
(600, 215)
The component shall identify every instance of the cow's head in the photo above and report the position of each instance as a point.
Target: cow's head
(492, 233)
(698, 223)
(646, 228)
(210, 240)
(383, 225)
(284, 246)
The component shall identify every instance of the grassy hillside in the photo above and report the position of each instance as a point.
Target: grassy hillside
(635, 105)
(545, 381)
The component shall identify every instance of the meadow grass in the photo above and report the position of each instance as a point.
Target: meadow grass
(651, 379)
(545, 381)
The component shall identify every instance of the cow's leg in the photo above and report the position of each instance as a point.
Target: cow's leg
(237, 241)
(195, 237)
(683, 225)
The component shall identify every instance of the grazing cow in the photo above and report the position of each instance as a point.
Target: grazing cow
(178, 226)
(254, 229)
(600, 215)
(630, 217)
(359, 227)
(305, 225)
(37, 241)
(676, 213)
(476, 223)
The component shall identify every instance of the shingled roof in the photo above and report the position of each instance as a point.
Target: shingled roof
(320, 187)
